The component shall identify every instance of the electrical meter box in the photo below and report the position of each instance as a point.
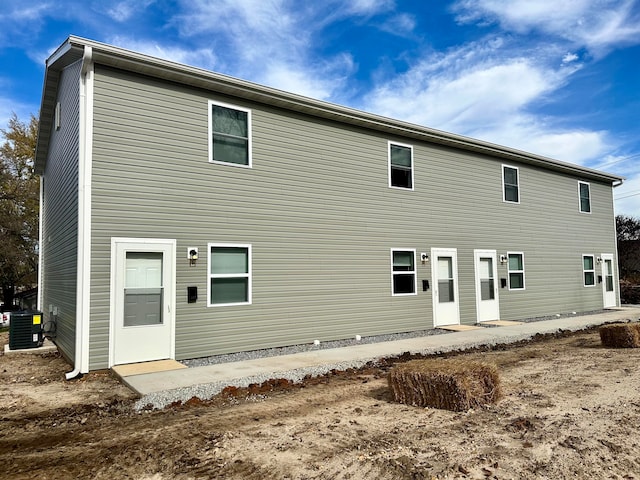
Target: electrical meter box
(25, 330)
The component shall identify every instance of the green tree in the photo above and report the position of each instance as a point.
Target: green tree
(628, 228)
(19, 206)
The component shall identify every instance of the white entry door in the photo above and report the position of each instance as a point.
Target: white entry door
(142, 300)
(487, 304)
(444, 272)
(608, 281)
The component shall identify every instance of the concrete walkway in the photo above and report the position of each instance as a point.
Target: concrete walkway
(187, 382)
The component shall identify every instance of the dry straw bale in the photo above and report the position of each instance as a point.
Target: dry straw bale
(453, 384)
(620, 335)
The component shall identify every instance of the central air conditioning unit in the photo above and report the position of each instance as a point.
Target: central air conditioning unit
(25, 330)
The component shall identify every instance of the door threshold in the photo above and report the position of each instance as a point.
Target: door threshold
(459, 328)
(130, 369)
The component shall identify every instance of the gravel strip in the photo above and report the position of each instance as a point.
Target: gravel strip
(206, 391)
(310, 347)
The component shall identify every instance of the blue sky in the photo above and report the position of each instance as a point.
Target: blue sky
(559, 78)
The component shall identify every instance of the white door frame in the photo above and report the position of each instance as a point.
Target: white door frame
(120, 246)
(609, 299)
(494, 313)
(446, 313)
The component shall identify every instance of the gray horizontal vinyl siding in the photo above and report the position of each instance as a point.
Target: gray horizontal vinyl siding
(320, 217)
(60, 215)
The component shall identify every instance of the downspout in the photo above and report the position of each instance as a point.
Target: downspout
(85, 131)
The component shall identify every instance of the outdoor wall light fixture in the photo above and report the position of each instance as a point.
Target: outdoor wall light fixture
(599, 259)
(192, 255)
(424, 258)
(503, 259)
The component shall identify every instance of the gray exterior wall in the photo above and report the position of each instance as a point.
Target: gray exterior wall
(59, 247)
(318, 212)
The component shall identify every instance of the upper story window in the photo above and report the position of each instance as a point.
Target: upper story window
(403, 271)
(584, 194)
(229, 134)
(510, 184)
(588, 271)
(400, 166)
(516, 270)
(229, 274)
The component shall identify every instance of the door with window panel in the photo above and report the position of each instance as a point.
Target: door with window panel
(143, 279)
(487, 303)
(608, 281)
(444, 273)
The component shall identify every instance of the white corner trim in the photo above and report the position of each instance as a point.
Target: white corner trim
(40, 246)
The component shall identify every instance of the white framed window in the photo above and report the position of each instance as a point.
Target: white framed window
(403, 272)
(229, 134)
(510, 184)
(56, 116)
(588, 271)
(584, 197)
(400, 166)
(515, 268)
(229, 274)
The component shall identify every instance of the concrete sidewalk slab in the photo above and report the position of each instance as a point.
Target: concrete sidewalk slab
(47, 346)
(502, 323)
(161, 388)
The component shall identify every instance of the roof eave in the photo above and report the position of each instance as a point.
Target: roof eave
(63, 56)
(144, 64)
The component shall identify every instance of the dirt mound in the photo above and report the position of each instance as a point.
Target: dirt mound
(567, 412)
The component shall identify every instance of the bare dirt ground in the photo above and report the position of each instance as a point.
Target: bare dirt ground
(571, 409)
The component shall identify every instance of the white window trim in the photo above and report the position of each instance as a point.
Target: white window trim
(414, 272)
(413, 179)
(580, 199)
(504, 196)
(248, 275)
(249, 134)
(509, 271)
(593, 262)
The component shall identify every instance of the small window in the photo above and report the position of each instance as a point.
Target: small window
(229, 135)
(400, 166)
(229, 274)
(57, 116)
(584, 192)
(510, 184)
(588, 271)
(516, 271)
(403, 271)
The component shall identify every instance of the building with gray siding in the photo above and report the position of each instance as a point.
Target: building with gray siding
(186, 214)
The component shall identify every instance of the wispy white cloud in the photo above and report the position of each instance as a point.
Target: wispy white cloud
(479, 90)
(124, 10)
(598, 26)
(308, 83)
(22, 20)
(627, 196)
(198, 57)
(273, 42)
(365, 7)
(402, 25)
